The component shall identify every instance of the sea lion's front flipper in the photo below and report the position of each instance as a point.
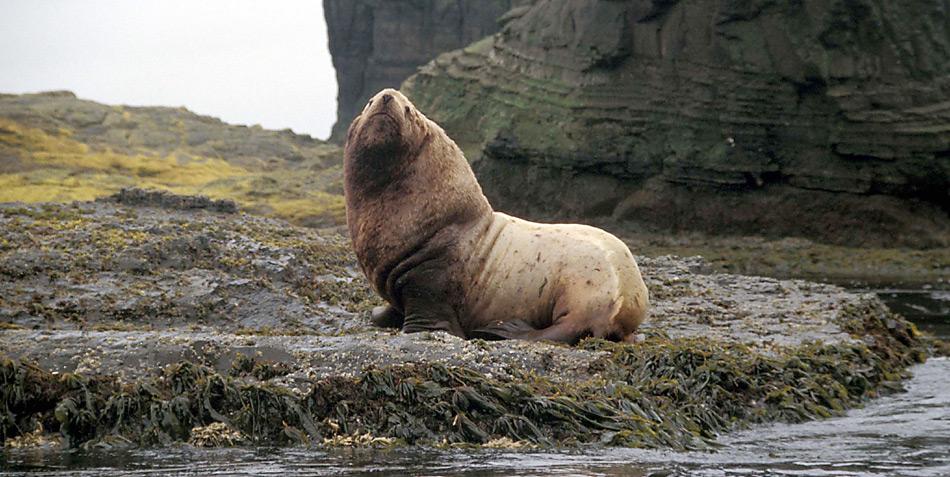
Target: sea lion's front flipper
(387, 317)
(504, 330)
(427, 299)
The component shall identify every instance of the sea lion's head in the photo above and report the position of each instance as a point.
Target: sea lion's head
(389, 125)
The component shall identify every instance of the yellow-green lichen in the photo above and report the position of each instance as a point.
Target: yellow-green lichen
(58, 168)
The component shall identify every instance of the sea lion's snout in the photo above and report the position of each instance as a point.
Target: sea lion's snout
(381, 127)
(382, 102)
(387, 126)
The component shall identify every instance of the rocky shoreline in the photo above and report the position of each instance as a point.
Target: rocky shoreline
(158, 321)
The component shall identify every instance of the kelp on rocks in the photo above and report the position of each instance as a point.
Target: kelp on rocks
(661, 392)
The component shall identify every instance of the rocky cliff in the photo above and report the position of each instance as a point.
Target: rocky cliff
(377, 44)
(821, 118)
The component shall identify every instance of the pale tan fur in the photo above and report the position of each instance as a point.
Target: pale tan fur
(573, 276)
(431, 245)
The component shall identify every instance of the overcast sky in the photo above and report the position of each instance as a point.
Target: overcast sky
(244, 61)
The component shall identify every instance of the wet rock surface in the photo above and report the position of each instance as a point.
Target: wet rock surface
(207, 317)
(164, 271)
(793, 257)
(832, 112)
(153, 198)
(107, 264)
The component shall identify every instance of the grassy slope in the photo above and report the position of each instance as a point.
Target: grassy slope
(50, 161)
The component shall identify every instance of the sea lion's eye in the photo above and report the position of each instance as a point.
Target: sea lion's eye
(370, 103)
(408, 110)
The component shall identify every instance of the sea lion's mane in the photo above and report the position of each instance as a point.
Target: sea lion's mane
(407, 187)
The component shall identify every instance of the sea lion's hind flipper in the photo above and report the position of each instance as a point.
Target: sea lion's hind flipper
(417, 323)
(519, 329)
(504, 330)
(387, 317)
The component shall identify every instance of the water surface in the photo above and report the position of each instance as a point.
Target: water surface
(929, 308)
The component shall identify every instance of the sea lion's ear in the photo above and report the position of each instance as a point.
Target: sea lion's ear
(426, 139)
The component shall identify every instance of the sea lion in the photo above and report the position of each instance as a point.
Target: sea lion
(433, 248)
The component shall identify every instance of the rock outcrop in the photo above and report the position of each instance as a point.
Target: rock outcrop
(161, 322)
(377, 44)
(823, 119)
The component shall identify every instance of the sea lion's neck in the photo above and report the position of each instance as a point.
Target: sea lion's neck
(374, 171)
(400, 215)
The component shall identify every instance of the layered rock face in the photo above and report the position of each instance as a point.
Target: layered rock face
(377, 44)
(828, 119)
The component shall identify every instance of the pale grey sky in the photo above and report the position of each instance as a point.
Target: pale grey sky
(244, 61)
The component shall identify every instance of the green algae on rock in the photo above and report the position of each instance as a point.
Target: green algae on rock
(160, 266)
(797, 258)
